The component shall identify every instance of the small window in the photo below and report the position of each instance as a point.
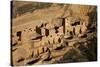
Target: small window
(76, 23)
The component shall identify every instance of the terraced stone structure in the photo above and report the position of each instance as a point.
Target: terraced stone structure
(49, 33)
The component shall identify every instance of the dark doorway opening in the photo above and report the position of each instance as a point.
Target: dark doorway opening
(46, 32)
(76, 23)
(38, 30)
(19, 35)
(63, 23)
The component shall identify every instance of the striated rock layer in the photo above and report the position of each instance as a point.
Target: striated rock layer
(49, 33)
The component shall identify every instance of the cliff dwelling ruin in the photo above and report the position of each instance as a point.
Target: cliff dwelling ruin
(50, 33)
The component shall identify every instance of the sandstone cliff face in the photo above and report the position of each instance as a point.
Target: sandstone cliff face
(54, 33)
